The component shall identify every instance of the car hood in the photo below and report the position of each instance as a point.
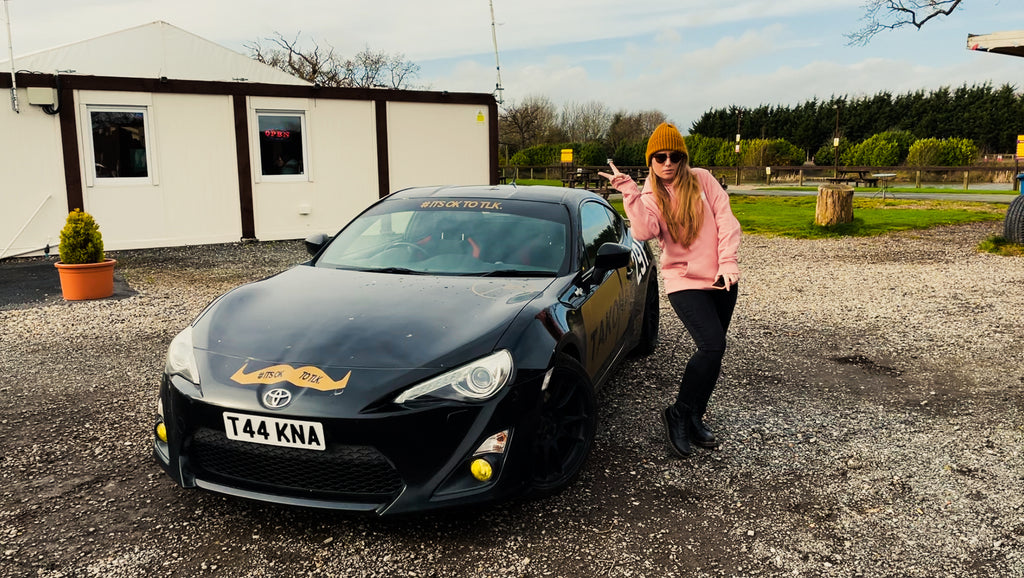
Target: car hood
(321, 317)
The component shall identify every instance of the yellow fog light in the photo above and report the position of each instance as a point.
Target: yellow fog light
(481, 469)
(161, 432)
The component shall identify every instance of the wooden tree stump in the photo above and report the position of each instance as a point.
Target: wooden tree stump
(835, 205)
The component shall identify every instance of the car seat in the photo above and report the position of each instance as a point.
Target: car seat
(450, 239)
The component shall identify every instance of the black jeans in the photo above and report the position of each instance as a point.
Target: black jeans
(706, 315)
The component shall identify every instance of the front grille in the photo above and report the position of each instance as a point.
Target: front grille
(346, 472)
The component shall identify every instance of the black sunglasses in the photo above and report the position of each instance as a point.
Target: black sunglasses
(675, 157)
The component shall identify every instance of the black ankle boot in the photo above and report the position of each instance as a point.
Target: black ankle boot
(698, 432)
(675, 427)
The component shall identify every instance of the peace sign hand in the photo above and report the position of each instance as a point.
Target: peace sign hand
(614, 174)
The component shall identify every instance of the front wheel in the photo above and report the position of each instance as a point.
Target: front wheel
(565, 433)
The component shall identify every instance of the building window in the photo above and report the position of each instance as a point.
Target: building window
(282, 150)
(119, 142)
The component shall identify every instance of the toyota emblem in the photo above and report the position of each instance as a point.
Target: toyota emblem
(277, 398)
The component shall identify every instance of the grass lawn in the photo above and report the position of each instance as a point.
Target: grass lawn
(794, 216)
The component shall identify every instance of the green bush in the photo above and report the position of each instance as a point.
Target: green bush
(590, 154)
(824, 155)
(884, 149)
(726, 155)
(926, 152)
(947, 152)
(534, 156)
(703, 150)
(80, 239)
(774, 152)
(631, 154)
(961, 151)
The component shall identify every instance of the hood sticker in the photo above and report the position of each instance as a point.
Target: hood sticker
(308, 376)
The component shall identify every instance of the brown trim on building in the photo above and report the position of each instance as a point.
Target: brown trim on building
(380, 110)
(240, 109)
(173, 86)
(492, 116)
(69, 149)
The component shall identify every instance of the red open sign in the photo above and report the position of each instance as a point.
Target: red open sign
(277, 134)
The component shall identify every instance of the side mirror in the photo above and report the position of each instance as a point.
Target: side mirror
(610, 256)
(316, 242)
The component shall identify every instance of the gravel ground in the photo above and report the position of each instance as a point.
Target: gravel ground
(870, 405)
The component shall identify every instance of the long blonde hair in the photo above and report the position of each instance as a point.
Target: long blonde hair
(683, 210)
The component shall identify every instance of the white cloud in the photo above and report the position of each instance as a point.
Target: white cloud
(681, 57)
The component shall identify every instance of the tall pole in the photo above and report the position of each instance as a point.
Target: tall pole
(739, 117)
(835, 145)
(10, 52)
(494, 37)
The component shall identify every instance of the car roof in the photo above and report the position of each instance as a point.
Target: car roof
(537, 193)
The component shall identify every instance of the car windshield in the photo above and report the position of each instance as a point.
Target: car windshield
(457, 236)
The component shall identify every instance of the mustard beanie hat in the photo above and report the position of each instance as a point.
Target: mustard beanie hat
(665, 138)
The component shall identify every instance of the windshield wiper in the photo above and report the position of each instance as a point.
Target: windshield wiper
(397, 270)
(515, 273)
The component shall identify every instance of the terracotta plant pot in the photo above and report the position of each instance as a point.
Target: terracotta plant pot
(86, 280)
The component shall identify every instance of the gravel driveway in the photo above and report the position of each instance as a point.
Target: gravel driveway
(870, 405)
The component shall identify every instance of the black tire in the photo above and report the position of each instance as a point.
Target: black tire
(1013, 227)
(651, 324)
(566, 428)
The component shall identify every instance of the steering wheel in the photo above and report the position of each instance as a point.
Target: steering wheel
(413, 249)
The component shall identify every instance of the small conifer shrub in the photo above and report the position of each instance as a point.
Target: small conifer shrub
(80, 240)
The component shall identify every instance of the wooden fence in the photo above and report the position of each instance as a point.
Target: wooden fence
(808, 175)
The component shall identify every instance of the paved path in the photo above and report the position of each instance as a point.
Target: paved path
(993, 197)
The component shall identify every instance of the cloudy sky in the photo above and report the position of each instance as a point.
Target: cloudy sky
(682, 57)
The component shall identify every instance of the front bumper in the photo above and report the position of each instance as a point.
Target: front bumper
(386, 462)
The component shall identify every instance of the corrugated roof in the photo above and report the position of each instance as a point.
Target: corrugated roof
(152, 50)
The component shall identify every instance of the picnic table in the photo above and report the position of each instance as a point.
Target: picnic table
(856, 177)
(589, 179)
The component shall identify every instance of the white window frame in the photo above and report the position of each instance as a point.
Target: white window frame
(91, 180)
(257, 157)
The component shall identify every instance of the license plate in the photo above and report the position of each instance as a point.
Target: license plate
(289, 433)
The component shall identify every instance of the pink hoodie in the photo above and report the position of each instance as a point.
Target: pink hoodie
(711, 253)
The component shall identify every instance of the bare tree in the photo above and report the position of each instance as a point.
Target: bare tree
(627, 127)
(367, 69)
(881, 15)
(527, 123)
(316, 64)
(583, 122)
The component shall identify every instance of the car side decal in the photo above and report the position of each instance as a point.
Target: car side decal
(642, 262)
(308, 376)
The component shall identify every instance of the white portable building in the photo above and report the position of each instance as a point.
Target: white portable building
(168, 139)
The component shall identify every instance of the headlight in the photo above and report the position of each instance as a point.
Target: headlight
(474, 381)
(181, 359)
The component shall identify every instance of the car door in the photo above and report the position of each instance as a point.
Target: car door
(605, 304)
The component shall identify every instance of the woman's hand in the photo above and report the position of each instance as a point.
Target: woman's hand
(615, 174)
(729, 279)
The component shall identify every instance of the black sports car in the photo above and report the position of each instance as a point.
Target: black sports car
(442, 349)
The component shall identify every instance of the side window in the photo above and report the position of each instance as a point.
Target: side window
(282, 142)
(118, 135)
(600, 226)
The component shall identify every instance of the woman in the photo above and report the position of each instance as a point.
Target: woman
(688, 212)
